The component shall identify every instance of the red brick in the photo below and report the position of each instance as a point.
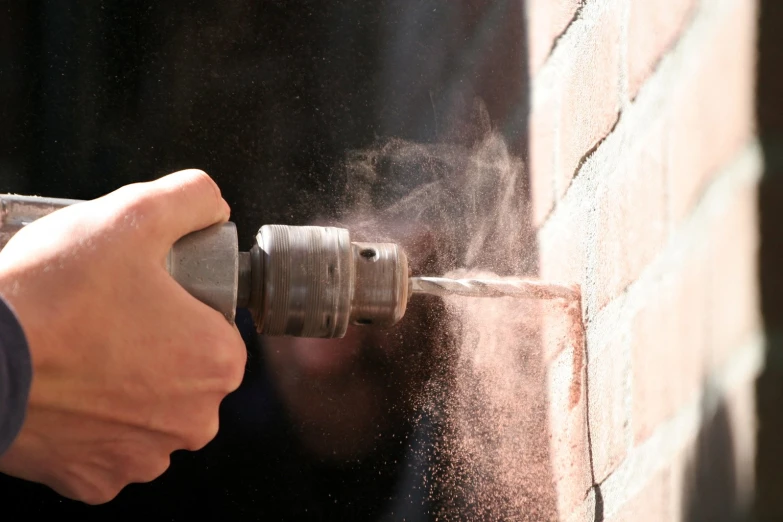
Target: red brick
(562, 259)
(562, 245)
(562, 327)
(546, 20)
(733, 271)
(542, 162)
(631, 219)
(669, 345)
(712, 115)
(590, 103)
(568, 443)
(652, 504)
(608, 375)
(653, 28)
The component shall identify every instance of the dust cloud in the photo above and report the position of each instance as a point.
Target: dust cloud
(459, 209)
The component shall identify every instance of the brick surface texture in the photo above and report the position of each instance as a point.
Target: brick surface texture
(644, 175)
(546, 20)
(668, 344)
(631, 215)
(608, 418)
(653, 27)
(590, 92)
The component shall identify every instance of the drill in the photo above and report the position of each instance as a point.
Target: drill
(302, 281)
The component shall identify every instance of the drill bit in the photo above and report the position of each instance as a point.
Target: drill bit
(520, 288)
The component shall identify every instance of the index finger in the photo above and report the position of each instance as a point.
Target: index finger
(173, 206)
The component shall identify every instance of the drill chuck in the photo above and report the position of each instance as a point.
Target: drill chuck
(313, 281)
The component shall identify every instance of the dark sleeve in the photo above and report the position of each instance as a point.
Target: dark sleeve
(16, 373)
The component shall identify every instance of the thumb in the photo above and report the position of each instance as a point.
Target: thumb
(174, 205)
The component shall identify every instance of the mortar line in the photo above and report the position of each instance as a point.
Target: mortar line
(687, 23)
(559, 37)
(598, 509)
(592, 150)
(546, 80)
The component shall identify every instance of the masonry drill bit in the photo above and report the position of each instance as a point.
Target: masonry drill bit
(520, 288)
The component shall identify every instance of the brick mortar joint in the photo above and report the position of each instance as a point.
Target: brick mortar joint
(559, 37)
(570, 43)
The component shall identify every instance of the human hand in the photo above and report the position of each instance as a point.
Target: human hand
(127, 366)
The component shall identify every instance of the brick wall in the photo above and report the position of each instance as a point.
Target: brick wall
(644, 171)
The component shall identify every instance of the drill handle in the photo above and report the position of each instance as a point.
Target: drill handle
(205, 263)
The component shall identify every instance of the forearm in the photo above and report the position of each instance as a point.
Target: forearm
(15, 376)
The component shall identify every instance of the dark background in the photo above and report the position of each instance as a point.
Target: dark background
(769, 389)
(267, 97)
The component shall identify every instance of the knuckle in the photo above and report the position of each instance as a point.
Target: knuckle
(85, 486)
(234, 372)
(204, 182)
(235, 380)
(108, 495)
(229, 358)
(95, 496)
(153, 469)
(204, 435)
(200, 177)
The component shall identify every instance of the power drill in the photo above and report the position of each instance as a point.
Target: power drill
(303, 281)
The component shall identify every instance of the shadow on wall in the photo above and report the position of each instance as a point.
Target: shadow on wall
(769, 389)
(710, 478)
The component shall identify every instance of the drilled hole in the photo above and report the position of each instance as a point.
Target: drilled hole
(364, 321)
(368, 253)
(328, 321)
(330, 270)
